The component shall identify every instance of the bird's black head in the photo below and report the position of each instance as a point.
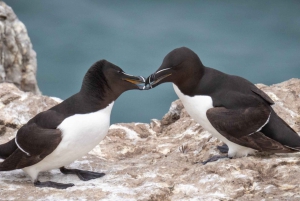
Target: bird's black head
(105, 79)
(181, 66)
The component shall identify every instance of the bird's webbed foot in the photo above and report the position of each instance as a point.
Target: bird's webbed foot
(52, 184)
(215, 158)
(83, 175)
(223, 148)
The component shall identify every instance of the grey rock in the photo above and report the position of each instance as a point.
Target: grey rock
(173, 114)
(17, 58)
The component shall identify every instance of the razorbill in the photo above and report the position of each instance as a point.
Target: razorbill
(230, 107)
(67, 131)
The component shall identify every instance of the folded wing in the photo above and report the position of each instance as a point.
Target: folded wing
(242, 126)
(35, 141)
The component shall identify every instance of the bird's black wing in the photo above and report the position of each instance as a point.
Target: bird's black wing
(35, 140)
(238, 122)
(242, 127)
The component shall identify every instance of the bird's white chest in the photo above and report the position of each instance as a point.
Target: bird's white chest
(197, 107)
(81, 133)
(84, 131)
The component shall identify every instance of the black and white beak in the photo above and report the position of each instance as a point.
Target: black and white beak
(154, 79)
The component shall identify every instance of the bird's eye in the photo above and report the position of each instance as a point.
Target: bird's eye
(119, 71)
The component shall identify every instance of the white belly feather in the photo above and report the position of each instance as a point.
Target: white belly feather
(81, 133)
(197, 107)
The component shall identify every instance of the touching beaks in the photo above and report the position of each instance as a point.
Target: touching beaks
(152, 81)
(149, 81)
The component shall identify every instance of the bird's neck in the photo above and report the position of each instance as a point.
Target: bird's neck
(190, 82)
(98, 99)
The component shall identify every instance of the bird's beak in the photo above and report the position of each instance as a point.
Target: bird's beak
(139, 81)
(154, 79)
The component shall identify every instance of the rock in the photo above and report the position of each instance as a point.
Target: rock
(173, 114)
(18, 107)
(17, 58)
(160, 160)
(155, 125)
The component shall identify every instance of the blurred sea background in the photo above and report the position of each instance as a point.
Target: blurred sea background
(258, 40)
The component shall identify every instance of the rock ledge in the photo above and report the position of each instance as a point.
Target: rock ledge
(160, 160)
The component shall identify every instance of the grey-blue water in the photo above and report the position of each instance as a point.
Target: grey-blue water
(258, 40)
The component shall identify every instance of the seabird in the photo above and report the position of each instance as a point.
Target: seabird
(230, 107)
(67, 131)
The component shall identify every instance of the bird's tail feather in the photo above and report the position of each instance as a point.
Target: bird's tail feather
(7, 149)
(278, 130)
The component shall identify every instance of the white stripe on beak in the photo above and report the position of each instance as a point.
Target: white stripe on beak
(162, 70)
(127, 74)
(142, 78)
